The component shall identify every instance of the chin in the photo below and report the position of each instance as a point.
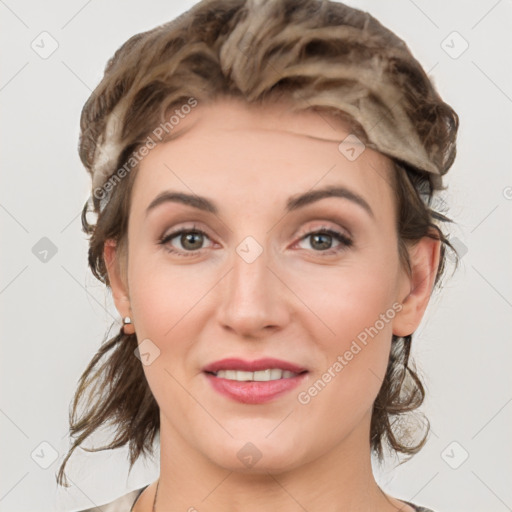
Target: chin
(256, 454)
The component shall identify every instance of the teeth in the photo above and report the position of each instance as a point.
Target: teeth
(259, 376)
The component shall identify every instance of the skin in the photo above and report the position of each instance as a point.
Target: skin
(292, 303)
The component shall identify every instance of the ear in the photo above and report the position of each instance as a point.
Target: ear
(417, 287)
(116, 278)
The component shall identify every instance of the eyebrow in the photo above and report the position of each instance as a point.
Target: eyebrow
(293, 203)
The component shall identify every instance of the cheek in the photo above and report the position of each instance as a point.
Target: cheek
(163, 295)
(356, 309)
(353, 298)
(152, 307)
(355, 360)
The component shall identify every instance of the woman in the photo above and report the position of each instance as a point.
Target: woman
(263, 174)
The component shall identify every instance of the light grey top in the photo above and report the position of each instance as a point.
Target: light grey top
(124, 503)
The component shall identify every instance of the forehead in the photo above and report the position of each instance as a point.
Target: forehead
(249, 153)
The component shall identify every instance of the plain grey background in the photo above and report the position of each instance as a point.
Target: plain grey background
(55, 314)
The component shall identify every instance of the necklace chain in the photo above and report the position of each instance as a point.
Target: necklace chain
(156, 494)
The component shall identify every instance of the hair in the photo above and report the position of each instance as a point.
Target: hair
(197, 55)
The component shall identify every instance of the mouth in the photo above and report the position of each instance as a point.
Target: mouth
(261, 370)
(259, 376)
(254, 382)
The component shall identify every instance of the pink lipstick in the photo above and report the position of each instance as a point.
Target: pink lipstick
(254, 382)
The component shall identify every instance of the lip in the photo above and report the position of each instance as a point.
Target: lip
(253, 392)
(252, 366)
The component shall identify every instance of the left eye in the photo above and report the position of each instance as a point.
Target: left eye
(322, 239)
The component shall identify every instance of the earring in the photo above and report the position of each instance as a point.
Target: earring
(128, 327)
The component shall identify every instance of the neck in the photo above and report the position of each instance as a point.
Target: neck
(341, 479)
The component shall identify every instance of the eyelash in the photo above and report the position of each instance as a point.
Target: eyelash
(345, 240)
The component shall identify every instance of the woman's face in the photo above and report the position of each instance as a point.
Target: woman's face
(255, 279)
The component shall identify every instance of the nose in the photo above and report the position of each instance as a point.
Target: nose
(254, 299)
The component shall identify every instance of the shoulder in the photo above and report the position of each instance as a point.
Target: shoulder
(122, 504)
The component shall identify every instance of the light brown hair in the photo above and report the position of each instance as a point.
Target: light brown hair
(197, 56)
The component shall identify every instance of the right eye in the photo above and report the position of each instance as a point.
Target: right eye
(191, 241)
